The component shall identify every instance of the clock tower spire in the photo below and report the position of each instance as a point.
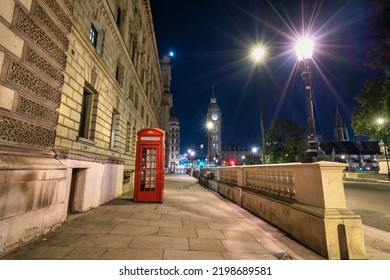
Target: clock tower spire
(214, 129)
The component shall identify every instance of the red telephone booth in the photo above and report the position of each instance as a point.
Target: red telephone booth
(149, 166)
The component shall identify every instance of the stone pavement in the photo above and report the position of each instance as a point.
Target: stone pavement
(192, 223)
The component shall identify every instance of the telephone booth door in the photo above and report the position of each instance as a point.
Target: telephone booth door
(149, 170)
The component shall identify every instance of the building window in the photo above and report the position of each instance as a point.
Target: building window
(128, 138)
(114, 129)
(85, 114)
(96, 36)
(93, 35)
(118, 17)
(136, 101)
(119, 73)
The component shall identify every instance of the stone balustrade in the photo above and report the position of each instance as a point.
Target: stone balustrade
(307, 201)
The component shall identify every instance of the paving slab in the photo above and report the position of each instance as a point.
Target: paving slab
(159, 242)
(210, 233)
(132, 254)
(206, 244)
(192, 255)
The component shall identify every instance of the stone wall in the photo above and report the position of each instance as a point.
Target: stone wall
(33, 45)
(306, 201)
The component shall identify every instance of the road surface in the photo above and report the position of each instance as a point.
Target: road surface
(371, 201)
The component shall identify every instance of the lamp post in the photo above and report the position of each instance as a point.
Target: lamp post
(258, 55)
(209, 156)
(304, 51)
(201, 153)
(191, 154)
(381, 122)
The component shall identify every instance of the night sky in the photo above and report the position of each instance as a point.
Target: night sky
(212, 41)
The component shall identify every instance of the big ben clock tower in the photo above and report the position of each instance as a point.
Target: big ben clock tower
(214, 129)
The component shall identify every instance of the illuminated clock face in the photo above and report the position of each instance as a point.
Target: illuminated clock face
(214, 117)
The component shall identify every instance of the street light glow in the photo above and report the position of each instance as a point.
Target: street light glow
(209, 125)
(258, 53)
(304, 49)
(380, 121)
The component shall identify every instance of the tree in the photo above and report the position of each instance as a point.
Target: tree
(374, 101)
(374, 97)
(286, 141)
(379, 55)
(252, 160)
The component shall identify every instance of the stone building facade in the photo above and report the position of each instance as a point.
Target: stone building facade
(174, 142)
(166, 70)
(78, 79)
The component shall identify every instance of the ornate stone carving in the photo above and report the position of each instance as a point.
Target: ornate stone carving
(32, 108)
(69, 4)
(59, 13)
(31, 30)
(51, 25)
(23, 78)
(37, 61)
(12, 130)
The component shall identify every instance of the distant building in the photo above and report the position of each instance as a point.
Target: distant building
(361, 156)
(166, 103)
(214, 132)
(340, 131)
(173, 141)
(234, 154)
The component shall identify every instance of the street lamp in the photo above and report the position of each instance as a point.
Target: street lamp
(209, 127)
(258, 54)
(304, 51)
(191, 154)
(381, 122)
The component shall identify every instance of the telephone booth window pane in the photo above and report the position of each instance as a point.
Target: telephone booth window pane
(148, 173)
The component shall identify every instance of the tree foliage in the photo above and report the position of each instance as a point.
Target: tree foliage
(374, 97)
(286, 141)
(379, 55)
(252, 160)
(374, 101)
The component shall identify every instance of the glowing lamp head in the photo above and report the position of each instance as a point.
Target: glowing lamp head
(304, 49)
(258, 53)
(209, 125)
(380, 121)
(171, 54)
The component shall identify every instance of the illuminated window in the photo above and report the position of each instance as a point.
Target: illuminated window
(96, 36)
(93, 35)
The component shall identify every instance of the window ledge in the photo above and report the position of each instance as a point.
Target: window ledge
(86, 141)
(114, 149)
